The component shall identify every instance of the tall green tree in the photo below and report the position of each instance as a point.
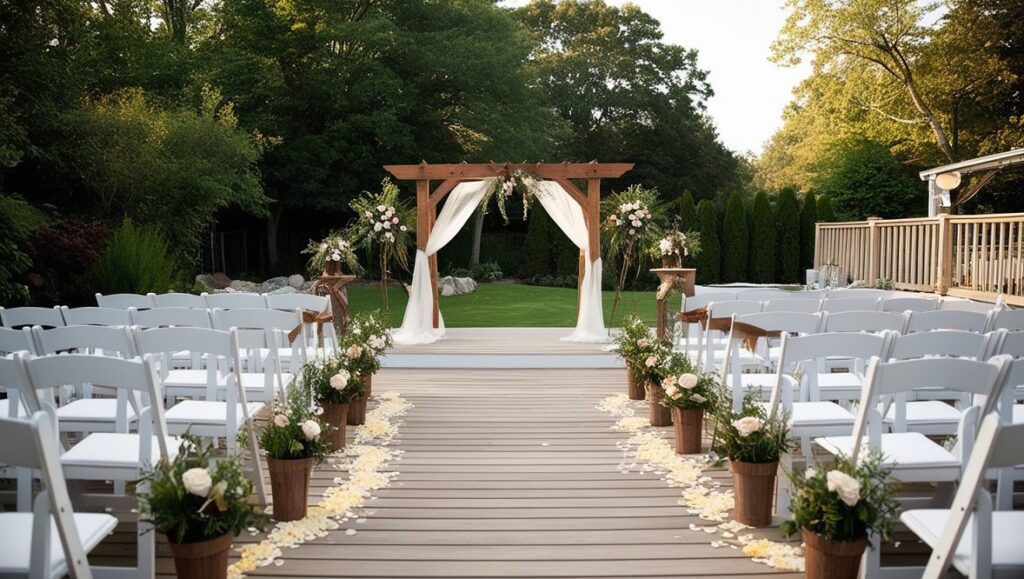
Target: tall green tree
(687, 212)
(709, 260)
(787, 212)
(864, 179)
(826, 214)
(735, 240)
(762, 240)
(808, 217)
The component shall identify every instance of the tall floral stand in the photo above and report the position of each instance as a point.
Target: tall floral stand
(671, 278)
(334, 286)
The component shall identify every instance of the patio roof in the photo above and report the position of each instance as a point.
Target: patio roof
(995, 161)
(989, 166)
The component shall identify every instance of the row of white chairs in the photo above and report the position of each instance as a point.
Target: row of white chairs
(227, 300)
(770, 293)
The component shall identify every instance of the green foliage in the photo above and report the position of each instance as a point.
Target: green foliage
(384, 221)
(636, 344)
(818, 506)
(367, 338)
(538, 245)
(787, 250)
(330, 381)
(826, 214)
(808, 217)
(173, 506)
(864, 179)
(14, 232)
(295, 431)
(683, 387)
(710, 259)
(687, 212)
(138, 259)
(735, 240)
(486, 271)
(762, 240)
(767, 440)
(63, 253)
(568, 281)
(333, 248)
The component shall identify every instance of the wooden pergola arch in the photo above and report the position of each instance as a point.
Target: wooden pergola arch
(451, 175)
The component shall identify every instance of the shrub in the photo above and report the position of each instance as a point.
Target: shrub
(15, 226)
(826, 214)
(62, 254)
(865, 179)
(687, 212)
(808, 217)
(488, 271)
(762, 240)
(735, 240)
(787, 218)
(538, 244)
(710, 258)
(567, 281)
(137, 260)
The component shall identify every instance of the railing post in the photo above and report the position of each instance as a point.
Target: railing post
(873, 250)
(944, 267)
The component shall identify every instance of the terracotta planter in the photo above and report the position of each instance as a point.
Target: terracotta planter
(636, 391)
(202, 560)
(754, 491)
(827, 559)
(688, 423)
(337, 416)
(289, 485)
(660, 416)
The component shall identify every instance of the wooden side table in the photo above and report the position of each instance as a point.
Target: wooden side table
(334, 286)
(671, 278)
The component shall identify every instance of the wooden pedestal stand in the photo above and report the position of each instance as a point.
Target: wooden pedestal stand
(671, 277)
(334, 286)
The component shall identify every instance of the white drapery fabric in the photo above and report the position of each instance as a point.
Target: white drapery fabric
(418, 323)
(568, 215)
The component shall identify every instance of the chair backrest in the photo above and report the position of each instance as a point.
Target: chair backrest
(762, 294)
(795, 322)
(912, 304)
(168, 317)
(16, 341)
(11, 382)
(235, 300)
(864, 322)
(1012, 343)
(946, 343)
(1012, 320)
(177, 300)
(818, 294)
(733, 308)
(37, 449)
(807, 306)
(837, 305)
(947, 320)
(845, 293)
(95, 316)
(105, 340)
(124, 301)
(15, 318)
(298, 301)
(257, 319)
(998, 445)
(218, 349)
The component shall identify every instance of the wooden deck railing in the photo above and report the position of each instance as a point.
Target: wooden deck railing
(977, 257)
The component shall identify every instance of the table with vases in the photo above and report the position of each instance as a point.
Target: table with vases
(671, 278)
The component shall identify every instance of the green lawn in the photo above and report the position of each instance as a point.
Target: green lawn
(508, 305)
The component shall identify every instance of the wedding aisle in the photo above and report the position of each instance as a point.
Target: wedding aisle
(513, 473)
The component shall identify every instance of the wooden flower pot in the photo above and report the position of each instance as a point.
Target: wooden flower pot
(289, 485)
(754, 491)
(828, 559)
(636, 391)
(203, 559)
(688, 423)
(660, 416)
(337, 416)
(357, 408)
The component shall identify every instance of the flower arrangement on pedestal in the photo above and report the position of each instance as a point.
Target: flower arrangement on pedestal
(328, 254)
(688, 395)
(635, 343)
(835, 507)
(200, 505)
(674, 247)
(362, 346)
(631, 223)
(387, 223)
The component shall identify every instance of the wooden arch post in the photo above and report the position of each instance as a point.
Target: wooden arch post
(451, 175)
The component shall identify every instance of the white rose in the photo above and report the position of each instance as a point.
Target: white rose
(810, 472)
(323, 246)
(698, 398)
(197, 481)
(336, 257)
(391, 208)
(687, 381)
(376, 342)
(369, 215)
(382, 208)
(377, 226)
(643, 343)
(340, 380)
(651, 361)
(668, 381)
(670, 390)
(844, 485)
(386, 225)
(389, 236)
(280, 420)
(665, 245)
(311, 430)
(747, 425)
(394, 220)
(353, 351)
(403, 228)
(632, 231)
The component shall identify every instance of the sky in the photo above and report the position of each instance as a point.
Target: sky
(733, 39)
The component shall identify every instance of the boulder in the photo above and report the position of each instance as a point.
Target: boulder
(220, 280)
(446, 286)
(296, 281)
(454, 286)
(465, 285)
(284, 290)
(273, 284)
(243, 286)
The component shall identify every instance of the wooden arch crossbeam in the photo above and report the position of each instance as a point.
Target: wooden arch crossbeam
(451, 175)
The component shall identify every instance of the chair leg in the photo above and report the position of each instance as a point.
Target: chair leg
(871, 563)
(257, 467)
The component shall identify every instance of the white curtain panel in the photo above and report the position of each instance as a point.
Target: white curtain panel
(418, 323)
(568, 215)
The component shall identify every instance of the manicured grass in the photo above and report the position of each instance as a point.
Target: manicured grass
(508, 305)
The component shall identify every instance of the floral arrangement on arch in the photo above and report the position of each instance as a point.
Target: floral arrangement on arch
(368, 337)
(503, 188)
(750, 435)
(675, 246)
(387, 223)
(327, 255)
(631, 226)
(295, 429)
(683, 386)
(191, 500)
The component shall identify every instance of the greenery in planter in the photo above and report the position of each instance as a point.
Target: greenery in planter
(364, 343)
(333, 248)
(750, 435)
(295, 429)
(636, 345)
(684, 387)
(190, 500)
(844, 501)
(330, 381)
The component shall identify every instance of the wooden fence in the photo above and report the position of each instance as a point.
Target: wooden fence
(977, 256)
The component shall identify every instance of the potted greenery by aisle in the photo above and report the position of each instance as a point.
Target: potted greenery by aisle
(688, 395)
(363, 345)
(294, 440)
(200, 507)
(656, 368)
(635, 343)
(753, 442)
(835, 507)
(334, 387)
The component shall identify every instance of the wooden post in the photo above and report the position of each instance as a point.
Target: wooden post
(579, 281)
(593, 217)
(432, 216)
(944, 270)
(873, 251)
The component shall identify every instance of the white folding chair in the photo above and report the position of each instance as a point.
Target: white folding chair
(806, 306)
(970, 536)
(714, 336)
(124, 301)
(901, 305)
(870, 322)
(170, 317)
(109, 456)
(12, 382)
(177, 300)
(761, 295)
(692, 305)
(1010, 320)
(235, 300)
(12, 341)
(872, 293)
(947, 320)
(263, 338)
(819, 294)
(95, 316)
(314, 304)
(29, 540)
(15, 318)
(837, 305)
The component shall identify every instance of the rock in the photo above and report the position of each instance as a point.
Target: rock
(446, 286)
(465, 285)
(307, 286)
(296, 281)
(243, 286)
(204, 283)
(273, 284)
(284, 290)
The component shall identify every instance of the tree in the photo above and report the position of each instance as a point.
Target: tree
(826, 214)
(687, 212)
(762, 240)
(709, 259)
(787, 248)
(735, 240)
(538, 244)
(864, 180)
(808, 217)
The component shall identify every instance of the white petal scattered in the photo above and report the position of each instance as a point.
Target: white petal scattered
(350, 532)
